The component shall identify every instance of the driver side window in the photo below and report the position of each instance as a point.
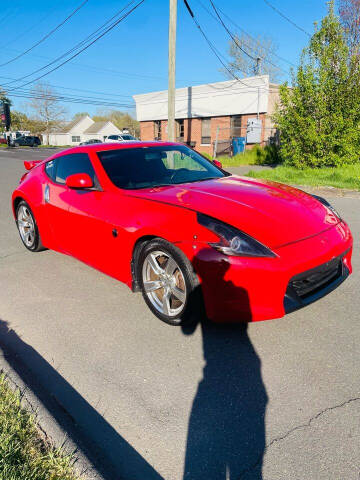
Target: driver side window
(71, 164)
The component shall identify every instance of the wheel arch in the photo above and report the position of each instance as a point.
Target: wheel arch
(139, 244)
(16, 202)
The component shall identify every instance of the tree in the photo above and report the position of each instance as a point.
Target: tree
(3, 96)
(46, 108)
(80, 114)
(19, 121)
(350, 18)
(119, 119)
(319, 115)
(260, 47)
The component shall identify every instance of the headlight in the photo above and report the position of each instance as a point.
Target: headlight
(328, 205)
(232, 241)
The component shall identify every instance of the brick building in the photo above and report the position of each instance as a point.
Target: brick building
(212, 114)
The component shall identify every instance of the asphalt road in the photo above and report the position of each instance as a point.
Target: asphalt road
(277, 400)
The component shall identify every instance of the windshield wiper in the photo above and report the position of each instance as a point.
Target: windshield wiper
(202, 179)
(180, 183)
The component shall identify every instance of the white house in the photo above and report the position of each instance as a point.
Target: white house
(81, 129)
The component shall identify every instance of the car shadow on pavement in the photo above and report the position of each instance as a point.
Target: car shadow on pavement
(109, 452)
(226, 432)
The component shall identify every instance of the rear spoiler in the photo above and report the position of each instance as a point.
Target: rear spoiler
(29, 164)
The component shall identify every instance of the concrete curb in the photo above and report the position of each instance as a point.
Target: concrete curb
(49, 428)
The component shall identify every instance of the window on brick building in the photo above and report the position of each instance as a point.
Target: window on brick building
(157, 130)
(236, 130)
(206, 131)
(180, 130)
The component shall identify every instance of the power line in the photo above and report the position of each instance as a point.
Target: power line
(80, 89)
(12, 14)
(212, 46)
(107, 30)
(234, 39)
(4, 16)
(230, 34)
(74, 48)
(35, 93)
(82, 102)
(251, 37)
(287, 18)
(25, 32)
(101, 69)
(69, 99)
(47, 35)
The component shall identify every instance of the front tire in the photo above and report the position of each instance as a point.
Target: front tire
(28, 229)
(168, 283)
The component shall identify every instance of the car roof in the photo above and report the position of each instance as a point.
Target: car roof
(101, 147)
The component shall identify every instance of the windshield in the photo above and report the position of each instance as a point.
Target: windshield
(128, 137)
(144, 167)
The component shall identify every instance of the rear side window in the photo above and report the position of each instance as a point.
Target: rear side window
(50, 169)
(71, 164)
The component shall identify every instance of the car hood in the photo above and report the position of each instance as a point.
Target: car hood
(273, 213)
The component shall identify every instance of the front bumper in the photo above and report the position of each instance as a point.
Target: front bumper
(307, 287)
(254, 289)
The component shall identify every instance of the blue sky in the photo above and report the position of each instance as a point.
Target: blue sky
(132, 58)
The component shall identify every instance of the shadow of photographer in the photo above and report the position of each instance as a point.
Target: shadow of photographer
(226, 431)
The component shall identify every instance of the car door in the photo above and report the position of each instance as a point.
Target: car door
(89, 237)
(56, 204)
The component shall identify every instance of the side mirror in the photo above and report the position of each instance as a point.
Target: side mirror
(217, 163)
(79, 180)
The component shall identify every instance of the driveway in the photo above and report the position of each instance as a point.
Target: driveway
(277, 400)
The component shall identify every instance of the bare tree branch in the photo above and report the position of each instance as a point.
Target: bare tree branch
(261, 47)
(46, 108)
(350, 18)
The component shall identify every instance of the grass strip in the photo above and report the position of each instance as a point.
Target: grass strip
(24, 452)
(347, 176)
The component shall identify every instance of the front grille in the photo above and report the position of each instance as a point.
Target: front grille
(309, 282)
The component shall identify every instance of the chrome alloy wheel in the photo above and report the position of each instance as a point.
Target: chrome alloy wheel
(164, 283)
(26, 226)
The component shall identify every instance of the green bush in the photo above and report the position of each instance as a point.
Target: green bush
(207, 155)
(268, 155)
(319, 116)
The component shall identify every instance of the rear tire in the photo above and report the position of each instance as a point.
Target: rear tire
(28, 229)
(168, 283)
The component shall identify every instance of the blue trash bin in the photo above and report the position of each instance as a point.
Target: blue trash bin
(238, 145)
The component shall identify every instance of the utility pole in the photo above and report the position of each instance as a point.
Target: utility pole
(172, 56)
(216, 141)
(258, 71)
(258, 66)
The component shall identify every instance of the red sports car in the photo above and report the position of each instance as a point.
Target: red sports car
(165, 220)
